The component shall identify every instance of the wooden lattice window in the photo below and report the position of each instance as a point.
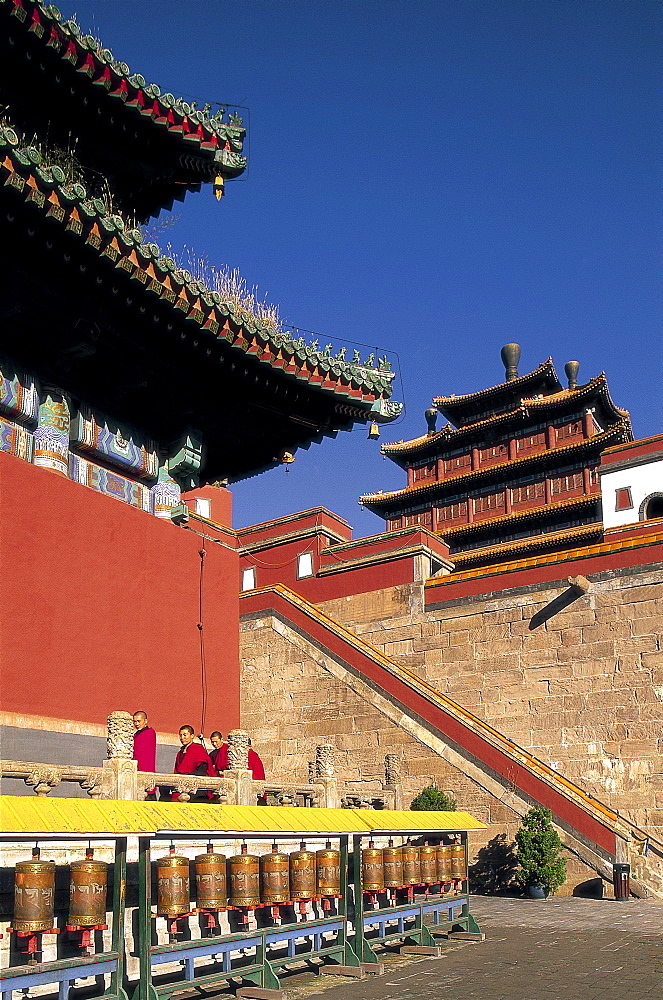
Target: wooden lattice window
(493, 451)
(424, 518)
(564, 484)
(570, 430)
(494, 501)
(453, 511)
(458, 462)
(530, 441)
(531, 491)
(424, 472)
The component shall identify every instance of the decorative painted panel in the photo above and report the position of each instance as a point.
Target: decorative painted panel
(115, 443)
(110, 483)
(18, 393)
(52, 434)
(16, 440)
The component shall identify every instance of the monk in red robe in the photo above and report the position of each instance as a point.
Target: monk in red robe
(219, 753)
(192, 759)
(256, 766)
(145, 747)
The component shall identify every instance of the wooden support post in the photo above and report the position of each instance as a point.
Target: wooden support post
(119, 903)
(145, 990)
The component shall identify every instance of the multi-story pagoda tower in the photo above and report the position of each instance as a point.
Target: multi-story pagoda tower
(514, 470)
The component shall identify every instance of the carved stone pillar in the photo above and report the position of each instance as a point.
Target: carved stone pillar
(120, 736)
(392, 768)
(238, 750)
(324, 760)
(392, 774)
(51, 449)
(238, 767)
(120, 770)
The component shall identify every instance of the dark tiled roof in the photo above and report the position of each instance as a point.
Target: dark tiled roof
(597, 386)
(43, 187)
(201, 131)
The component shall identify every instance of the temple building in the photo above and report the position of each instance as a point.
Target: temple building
(514, 471)
(125, 384)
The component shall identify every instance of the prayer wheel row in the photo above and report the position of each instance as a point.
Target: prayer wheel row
(247, 880)
(393, 867)
(34, 894)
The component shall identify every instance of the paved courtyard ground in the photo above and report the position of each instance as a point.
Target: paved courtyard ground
(566, 949)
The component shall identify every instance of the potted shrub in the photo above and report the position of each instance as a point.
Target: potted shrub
(542, 870)
(431, 798)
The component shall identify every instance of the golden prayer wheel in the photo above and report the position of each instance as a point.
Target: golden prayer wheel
(302, 873)
(444, 862)
(275, 876)
(458, 861)
(34, 894)
(392, 864)
(244, 876)
(428, 864)
(87, 892)
(372, 872)
(328, 866)
(211, 890)
(411, 865)
(172, 885)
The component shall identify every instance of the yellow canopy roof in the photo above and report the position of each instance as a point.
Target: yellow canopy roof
(23, 816)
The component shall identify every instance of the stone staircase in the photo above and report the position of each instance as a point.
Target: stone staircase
(595, 833)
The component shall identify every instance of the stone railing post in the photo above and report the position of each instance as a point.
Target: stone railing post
(120, 770)
(392, 775)
(324, 774)
(238, 767)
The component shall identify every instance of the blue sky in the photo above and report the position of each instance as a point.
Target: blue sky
(435, 178)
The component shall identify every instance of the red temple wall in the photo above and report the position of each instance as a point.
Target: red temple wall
(101, 604)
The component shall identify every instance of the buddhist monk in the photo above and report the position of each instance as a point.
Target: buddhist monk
(192, 759)
(256, 766)
(219, 755)
(145, 747)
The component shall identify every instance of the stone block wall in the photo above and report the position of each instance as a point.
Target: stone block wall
(290, 704)
(582, 690)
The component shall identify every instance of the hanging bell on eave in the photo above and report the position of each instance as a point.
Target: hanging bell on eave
(373, 432)
(218, 187)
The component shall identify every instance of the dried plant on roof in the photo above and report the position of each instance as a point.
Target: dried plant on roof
(230, 285)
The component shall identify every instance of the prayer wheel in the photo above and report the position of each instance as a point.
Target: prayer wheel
(372, 872)
(275, 876)
(244, 872)
(87, 892)
(411, 866)
(458, 861)
(34, 894)
(444, 862)
(172, 885)
(392, 864)
(328, 868)
(211, 890)
(428, 863)
(302, 873)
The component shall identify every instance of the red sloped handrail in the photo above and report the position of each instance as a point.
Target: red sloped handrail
(532, 777)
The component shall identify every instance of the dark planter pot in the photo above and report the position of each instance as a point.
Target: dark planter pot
(537, 892)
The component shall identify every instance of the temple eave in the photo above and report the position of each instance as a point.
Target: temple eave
(548, 540)
(424, 489)
(505, 520)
